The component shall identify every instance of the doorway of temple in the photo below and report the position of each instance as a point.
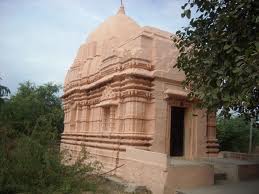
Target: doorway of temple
(177, 131)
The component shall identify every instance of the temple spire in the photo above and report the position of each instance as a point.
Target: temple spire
(121, 10)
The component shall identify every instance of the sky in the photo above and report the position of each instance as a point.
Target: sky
(39, 39)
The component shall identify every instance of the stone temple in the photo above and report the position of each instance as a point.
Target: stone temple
(123, 100)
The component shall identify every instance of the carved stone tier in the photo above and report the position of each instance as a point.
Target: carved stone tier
(109, 141)
(105, 73)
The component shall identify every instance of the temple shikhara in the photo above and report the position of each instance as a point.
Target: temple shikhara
(123, 100)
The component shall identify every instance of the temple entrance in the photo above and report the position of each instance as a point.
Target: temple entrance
(177, 131)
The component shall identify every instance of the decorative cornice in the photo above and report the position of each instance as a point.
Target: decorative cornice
(133, 63)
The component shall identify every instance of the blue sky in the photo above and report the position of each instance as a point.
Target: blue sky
(39, 38)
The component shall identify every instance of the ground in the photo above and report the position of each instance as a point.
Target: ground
(246, 187)
(112, 185)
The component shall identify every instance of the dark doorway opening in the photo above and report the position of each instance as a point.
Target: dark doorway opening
(177, 131)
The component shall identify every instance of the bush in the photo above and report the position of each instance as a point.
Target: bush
(31, 122)
(31, 165)
(233, 134)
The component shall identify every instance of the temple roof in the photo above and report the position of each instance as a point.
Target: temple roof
(118, 26)
(120, 40)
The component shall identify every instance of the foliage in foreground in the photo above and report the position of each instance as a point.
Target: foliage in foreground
(30, 164)
(30, 160)
(233, 134)
(219, 54)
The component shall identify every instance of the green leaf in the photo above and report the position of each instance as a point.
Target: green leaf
(236, 70)
(238, 58)
(188, 13)
(240, 63)
(227, 46)
(237, 48)
(183, 7)
(257, 45)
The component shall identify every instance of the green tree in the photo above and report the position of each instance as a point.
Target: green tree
(30, 125)
(219, 54)
(233, 134)
(33, 108)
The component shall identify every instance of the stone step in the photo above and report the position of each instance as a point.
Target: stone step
(220, 176)
(234, 170)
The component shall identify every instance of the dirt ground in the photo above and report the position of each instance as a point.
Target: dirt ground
(106, 186)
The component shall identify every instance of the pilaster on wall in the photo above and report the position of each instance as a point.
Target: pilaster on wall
(198, 132)
(66, 120)
(78, 119)
(161, 118)
(212, 142)
(72, 118)
(190, 132)
(134, 115)
(112, 118)
(84, 119)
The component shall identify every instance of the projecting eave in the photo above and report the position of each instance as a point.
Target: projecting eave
(172, 92)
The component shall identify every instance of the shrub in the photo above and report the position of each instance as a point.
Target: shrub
(233, 134)
(30, 165)
(31, 122)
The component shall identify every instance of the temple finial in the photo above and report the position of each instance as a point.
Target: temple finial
(121, 10)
